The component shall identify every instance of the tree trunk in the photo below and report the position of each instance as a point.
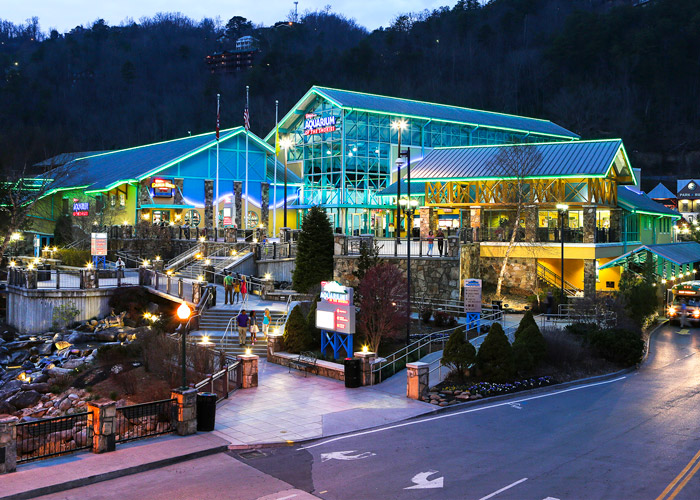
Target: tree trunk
(509, 249)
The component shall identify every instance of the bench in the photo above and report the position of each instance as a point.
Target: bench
(305, 361)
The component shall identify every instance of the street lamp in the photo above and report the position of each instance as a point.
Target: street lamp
(285, 143)
(562, 208)
(409, 205)
(183, 313)
(399, 125)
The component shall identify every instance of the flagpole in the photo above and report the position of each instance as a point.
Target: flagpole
(216, 198)
(274, 193)
(246, 159)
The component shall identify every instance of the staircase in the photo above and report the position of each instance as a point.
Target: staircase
(553, 279)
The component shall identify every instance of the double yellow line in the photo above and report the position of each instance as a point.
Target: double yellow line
(681, 479)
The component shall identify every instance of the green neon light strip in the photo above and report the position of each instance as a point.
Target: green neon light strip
(526, 144)
(454, 179)
(113, 185)
(56, 190)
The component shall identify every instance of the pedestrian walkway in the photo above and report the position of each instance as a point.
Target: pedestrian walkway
(287, 406)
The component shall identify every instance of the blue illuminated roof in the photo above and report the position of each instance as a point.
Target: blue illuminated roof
(661, 192)
(634, 201)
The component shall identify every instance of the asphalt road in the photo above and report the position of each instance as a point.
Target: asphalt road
(633, 437)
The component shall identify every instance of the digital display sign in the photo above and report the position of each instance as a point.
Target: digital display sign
(336, 311)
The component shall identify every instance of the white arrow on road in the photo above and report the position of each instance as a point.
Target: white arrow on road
(516, 406)
(345, 455)
(421, 481)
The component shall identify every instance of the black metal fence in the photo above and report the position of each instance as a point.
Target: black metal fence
(145, 420)
(50, 437)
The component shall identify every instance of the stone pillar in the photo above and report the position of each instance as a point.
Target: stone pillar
(589, 278)
(186, 410)
(340, 244)
(275, 343)
(144, 197)
(366, 366)
(179, 187)
(30, 276)
(615, 224)
(238, 203)
(8, 444)
(102, 419)
(469, 262)
(428, 221)
(452, 246)
(230, 235)
(197, 289)
(265, 207)
(589, 223)
(248, 374)
(89, 279)
(208, 205)
(268, 287)
(158, 265)
(417, 380)
(531, 223)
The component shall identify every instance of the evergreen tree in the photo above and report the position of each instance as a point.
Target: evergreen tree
(296, 332)
(459, 354)
(495, 356)
(313, 335)
(369, 257)
(314, 260)
(528, 320)
(529, 349)
(522, 358)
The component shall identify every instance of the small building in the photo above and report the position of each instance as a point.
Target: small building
(231, 61)
(688, 196)
(661, 194)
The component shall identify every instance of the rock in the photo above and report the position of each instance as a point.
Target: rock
(58, 337)
(81, 438)
(64, 404)
(434, 402)
(76, 337)
(443, 403)
(58, 372)
(41, 387)
(108, 335)
(12, 386)
(28, 365)
(6, 408)
(18, 357)
(73, 363)
(41, 377)
(62, 344)
(24, 399)
(45, 349)
(462, 397)
(73, 396)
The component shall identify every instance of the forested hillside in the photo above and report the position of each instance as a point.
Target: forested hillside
(602, 68)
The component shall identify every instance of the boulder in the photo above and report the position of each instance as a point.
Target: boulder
(41, 387)
(18, 357)
(77, 337)
(40, 378)
(24, 399)
(64, 405)
(73, 363)
(73, 397)
(45, 349)
(11, 386)
(58, 372)
(62, 344)
(6, 408)
(58, 337)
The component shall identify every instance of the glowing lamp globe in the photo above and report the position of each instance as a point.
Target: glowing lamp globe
(183, 312)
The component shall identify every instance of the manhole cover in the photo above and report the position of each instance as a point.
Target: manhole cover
(252, 454)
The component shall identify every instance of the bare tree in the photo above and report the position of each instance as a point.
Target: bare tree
(516, 164)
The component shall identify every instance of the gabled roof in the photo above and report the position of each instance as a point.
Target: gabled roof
(557, 159)
(360, 101)
(681, 183)
(103, 171)
(686, 252)
(661, 192)
(641, 203)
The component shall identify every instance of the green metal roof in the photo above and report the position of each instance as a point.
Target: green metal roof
(641, 203)
(359, 101)
(683, 253)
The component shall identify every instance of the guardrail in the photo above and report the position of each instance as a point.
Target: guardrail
(77, 278)
(145, 420)
(223, 382)
(49, 437)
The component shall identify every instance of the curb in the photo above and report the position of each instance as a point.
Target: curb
(106, 476)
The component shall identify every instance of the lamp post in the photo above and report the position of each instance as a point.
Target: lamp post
(400, 126)
(285, 143)
(562, 212)
(409, 205)
(183, 314)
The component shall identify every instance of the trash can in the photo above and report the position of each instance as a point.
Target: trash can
(206, 411)
(353, 372)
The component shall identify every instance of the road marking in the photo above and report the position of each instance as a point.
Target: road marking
(695, 460)
(551, 498)
(504, 489)
(421, 481)
(344, 455)
(287, 497)
(457, 413)
(516, 406)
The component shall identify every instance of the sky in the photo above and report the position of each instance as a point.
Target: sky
(65, 15)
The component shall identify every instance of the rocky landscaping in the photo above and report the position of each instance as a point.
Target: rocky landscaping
(447, 393)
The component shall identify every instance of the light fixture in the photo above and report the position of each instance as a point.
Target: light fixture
(146, 216)
(562, 206)
(144, 263)
(183, 312)
(400, 124)
(88, 265)
(248, 351)
(365, 348)
(286, 143)
(233, 253)
(268, 276)
(169, 272)
(202, 239)
(207, 262)
(37, 260)
(15, 236)
(205, 340)
(125, 222)
(30, 267)
(55, 249)
(200, 278)
(157, 257)
(13, 263)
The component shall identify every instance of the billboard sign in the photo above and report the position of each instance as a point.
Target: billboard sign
(472, 296)
(336, 311)
(81, 208)
(98, 244)
(314, 124)
(162, 187)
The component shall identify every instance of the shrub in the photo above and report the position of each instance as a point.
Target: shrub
(296, 332)
(115, 354)
(529, 348)
(580, 329)
(459, 354)
(641, 302)
(524, 362)
(73, 257)
(425, 315)
(624, 347)
(442, 318)
(495, 356)
(313, 334)
(527, 320)
(114, 395)
(64, 315)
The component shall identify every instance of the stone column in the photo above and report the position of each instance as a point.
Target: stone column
(428, 221)
(238, 203)
(144, 197)
(8, 444)
(268, 287)
(248, 374)
(615, 224)
(208, 205)
(102, 419)
(452, 246)
(158, 265)
(275, 343)
(186, 410)
(197, 289)
(589, 278)
(30, 276)
(89, 279)
(340, 244)
(179, 187)
(230, 235)
(417, 380)
(530, 223)
(265, 207)
(366, 366)
(589, 223)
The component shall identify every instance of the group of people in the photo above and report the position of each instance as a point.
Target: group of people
(248, 324)
(235, 289)
(440, 241)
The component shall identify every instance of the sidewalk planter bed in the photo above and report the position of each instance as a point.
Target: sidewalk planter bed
(447, 393)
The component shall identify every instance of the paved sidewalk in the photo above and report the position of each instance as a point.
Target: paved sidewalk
(80, 469)
(287, 406)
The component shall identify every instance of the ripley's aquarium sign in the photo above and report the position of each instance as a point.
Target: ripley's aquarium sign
(314, 124)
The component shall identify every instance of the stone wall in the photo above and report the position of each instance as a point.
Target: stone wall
(520, 276)
(280, 269)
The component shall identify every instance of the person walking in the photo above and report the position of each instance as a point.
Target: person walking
(253, 328)
(242, 322)
(228, 288)
(684, 314)
(244, 288)
(431, 240)
(236, 291)
(441, 240)
(267, 319)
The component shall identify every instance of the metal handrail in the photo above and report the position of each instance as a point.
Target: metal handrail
(224, 373)
(555, 280)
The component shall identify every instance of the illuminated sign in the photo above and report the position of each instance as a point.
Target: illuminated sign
(81, 209)
(318, 124)
(162, 187)
(336, 312)
(98, 244)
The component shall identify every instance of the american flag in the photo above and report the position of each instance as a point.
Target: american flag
(246, 118)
